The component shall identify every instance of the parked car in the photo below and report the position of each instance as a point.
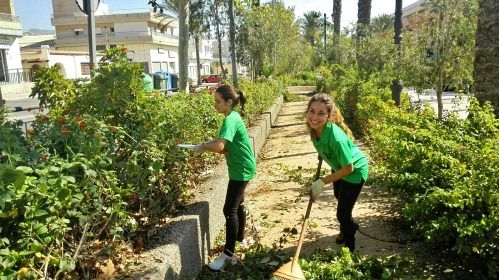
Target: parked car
(212, 79)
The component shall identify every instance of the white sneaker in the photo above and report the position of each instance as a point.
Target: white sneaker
(219, 262)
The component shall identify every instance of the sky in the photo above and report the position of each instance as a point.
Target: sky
(37, 13)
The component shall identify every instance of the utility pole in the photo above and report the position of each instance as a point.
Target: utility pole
(89, 7)
(396, 86)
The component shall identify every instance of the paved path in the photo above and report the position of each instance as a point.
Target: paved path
(453, 102)
(276, 205)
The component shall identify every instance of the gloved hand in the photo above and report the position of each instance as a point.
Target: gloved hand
(198, 149)
(316, 188)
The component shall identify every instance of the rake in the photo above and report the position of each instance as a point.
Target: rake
(292, 270)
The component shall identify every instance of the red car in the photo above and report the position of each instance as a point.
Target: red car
(212, 79)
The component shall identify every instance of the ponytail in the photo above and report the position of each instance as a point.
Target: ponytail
(241, 100)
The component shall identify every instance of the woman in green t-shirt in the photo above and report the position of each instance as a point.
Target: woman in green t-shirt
(234, 143)
(333, 141)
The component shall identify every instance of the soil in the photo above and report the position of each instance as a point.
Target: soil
(277, 203)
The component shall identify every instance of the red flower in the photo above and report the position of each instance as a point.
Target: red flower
(61, 121)
(65, 132)
(83, 126)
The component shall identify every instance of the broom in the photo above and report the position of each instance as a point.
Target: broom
(292, 270)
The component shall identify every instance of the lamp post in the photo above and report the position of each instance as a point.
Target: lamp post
(88, 7)
(396, 86)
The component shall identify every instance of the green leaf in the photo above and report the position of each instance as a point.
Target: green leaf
(42, 230)
(63, 194)
(70, 179)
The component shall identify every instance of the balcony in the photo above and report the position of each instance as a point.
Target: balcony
(10, 25)
(111, 37)
(117, 38)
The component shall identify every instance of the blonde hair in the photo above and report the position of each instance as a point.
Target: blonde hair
(334, 113)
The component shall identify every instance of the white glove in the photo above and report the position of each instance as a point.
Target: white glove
(316, 188)
(198, 149)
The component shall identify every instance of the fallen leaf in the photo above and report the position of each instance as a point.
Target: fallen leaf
(107, 270)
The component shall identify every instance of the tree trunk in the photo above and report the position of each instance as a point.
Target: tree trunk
(440, 89)
(218, 33)
(363, 16)
(486, 72)
(232, 38)
(336, 29)
(198, 60)
(183, 44)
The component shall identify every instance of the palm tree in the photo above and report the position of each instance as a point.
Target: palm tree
(336, 29)
(310, 25)
(383, 24)
(196, 22)
(183, 44)
(486, 75)
(363, 16)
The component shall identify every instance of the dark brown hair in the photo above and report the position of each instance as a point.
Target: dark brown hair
(228, 92)
(333, 111)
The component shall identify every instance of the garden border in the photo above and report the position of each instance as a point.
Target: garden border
(180, 248)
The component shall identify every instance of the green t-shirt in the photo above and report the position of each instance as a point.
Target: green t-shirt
(240, 161)
(338, 150)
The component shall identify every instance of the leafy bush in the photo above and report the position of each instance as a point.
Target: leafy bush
(261, 262)
(101, 167)
(447, 170)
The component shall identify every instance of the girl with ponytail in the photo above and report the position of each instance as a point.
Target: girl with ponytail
(234, 143)
(333, 140)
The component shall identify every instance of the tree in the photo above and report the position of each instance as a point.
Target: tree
(310, 26)
(486, 72)
(260, 29)
(197, 27)
(382, 24)
(183, 43)
(336, 29)
(363, 17)
(232, 39)
(444, 56)
(219, 20)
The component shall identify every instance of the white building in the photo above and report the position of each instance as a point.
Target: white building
(205, 58)
(72, 64)
(411, 10)
(151, 40)
(10, 55)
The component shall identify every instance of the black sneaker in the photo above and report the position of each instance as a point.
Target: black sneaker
(340, 239)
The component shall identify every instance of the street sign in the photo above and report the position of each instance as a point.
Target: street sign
(83, 5)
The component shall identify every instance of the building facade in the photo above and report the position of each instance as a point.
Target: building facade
(150, 40)
(10, 55)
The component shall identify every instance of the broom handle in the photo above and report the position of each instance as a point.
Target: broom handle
(307, 215)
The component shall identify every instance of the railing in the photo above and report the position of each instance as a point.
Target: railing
(16, 76)
(110, 35)
(8, 17)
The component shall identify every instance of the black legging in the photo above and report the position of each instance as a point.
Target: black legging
(235, 216)
(347, 194)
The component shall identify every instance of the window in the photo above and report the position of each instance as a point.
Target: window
(156, 66)
(172, 67)
(112, 29)
(85, 68)
(78, 31)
